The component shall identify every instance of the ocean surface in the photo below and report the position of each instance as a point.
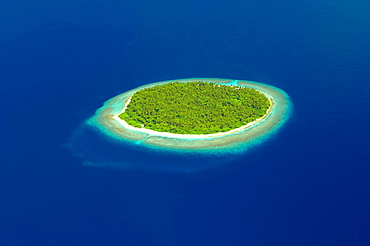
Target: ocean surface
(308, 184)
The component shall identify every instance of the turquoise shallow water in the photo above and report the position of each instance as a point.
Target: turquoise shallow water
(203, 147)
(278, 114)
(308, 184)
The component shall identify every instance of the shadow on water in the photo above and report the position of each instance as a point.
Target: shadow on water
(96, 149)
(99, 150)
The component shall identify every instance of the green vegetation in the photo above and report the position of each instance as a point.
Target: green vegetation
(194, 107)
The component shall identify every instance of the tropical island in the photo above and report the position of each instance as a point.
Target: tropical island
(208, 116)
(197, 107)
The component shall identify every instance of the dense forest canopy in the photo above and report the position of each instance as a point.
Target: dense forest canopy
(195, 107)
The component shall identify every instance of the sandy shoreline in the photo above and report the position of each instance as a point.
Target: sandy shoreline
(237, 140)
(190, 136)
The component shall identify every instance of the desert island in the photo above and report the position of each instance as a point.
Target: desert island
(202, 115)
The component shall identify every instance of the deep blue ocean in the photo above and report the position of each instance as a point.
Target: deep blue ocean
(308, 184)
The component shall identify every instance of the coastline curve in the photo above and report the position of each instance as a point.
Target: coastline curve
(203, 151)
(107, 120)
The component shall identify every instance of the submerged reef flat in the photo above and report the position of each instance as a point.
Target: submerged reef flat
(107, 120)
